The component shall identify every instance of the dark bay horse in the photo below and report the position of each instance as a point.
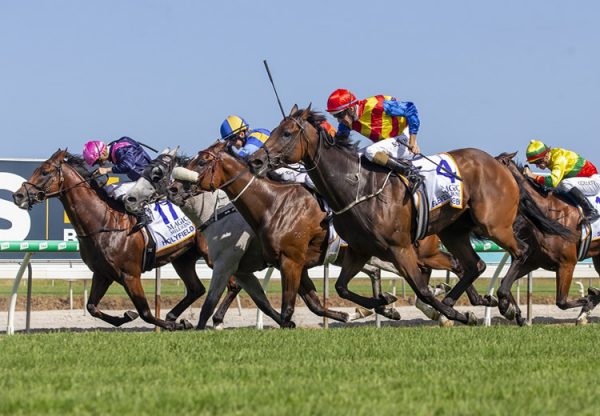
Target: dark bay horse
(375, 213)
(550, 252)
(290, 223)
(106, 245)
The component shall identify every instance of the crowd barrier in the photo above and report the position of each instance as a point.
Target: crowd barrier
(76, 270)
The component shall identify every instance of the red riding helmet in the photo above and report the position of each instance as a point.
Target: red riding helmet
(339, 100)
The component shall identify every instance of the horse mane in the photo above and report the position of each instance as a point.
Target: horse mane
(97, 183)
(315, 119)
(531, 209)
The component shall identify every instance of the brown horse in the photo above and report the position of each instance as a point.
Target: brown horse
(107, 246)
(550, 252)
(376, 216)
(291, 225)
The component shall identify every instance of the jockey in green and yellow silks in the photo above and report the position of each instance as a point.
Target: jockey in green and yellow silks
(563, 164)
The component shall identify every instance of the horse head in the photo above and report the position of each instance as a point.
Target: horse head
(154, 181)
(290, 142)
(45, 182)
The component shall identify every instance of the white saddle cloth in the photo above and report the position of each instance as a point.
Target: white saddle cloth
(441, 187)
(169, 225)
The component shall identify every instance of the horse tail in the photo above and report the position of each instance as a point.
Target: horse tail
(531, 210)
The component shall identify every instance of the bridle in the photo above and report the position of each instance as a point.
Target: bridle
(211, 164)
(274, 162)
(43, 193)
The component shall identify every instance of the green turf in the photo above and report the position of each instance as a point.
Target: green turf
(499, 370)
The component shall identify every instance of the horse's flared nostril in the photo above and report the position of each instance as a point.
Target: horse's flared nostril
(18, 197)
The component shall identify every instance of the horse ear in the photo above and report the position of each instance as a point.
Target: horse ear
(165, 151)
(294, 109)
(306, 112)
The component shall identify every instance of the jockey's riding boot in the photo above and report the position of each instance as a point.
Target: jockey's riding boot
(588, 209)
(142, 220)
(404, 167)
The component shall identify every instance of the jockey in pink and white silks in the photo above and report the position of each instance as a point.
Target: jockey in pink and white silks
(565, 167)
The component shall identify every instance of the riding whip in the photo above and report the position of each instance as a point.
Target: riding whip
(274, 89)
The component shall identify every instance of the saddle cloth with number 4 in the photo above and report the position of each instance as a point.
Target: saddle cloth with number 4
(440, 184)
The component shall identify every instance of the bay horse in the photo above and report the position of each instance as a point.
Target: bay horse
(231, 242)
(107, 246)
(291, 225)
(550, 252)
(375, 212)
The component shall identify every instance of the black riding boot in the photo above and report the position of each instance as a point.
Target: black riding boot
(403, 167)
(588, 209)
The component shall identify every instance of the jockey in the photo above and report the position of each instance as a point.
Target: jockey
(127, 157)
(244, 141)
(382, 119)
(563, 164)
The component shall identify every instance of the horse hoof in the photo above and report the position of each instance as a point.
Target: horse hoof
(131, 315)
(492, 301)
(393, 314)
(186, 324)
(471, 319)
(288, 325)
(219, 326)
(582, 320)
(511, 312)
(427, 310)
(520, 320)
(388, 298)
(445, 322)
(363, 312)
(170, 317)
(592, 291)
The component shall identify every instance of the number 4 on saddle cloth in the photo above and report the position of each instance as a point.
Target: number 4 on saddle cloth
(441, 186)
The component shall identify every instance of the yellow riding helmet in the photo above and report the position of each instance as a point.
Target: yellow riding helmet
(233, 125)
(536, 151)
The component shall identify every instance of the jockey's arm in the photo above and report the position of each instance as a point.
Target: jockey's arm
(395, 108)
(557, 173)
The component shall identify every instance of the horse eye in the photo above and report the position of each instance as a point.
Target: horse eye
(287, 134)
(45, 173)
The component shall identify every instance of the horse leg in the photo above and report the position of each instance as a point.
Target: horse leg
(458, 242)
(352, 264)
(291, 271)
(135, 290)
(405, 260)
(233, 289)
(445, 261)
(222, 269)
(308, 293)
(564, 277)
(185, 266)
(387, 311)
(100, 285)
(251, 285)
(593, 295)
(507, 305)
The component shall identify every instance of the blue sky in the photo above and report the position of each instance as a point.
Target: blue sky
(482, 74)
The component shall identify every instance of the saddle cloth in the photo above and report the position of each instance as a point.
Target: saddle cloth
(169, 225)
(441, 187)
(590, 187)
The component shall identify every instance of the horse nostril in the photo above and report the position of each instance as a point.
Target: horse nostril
(173, 190)
(131, 199)
(18, 197)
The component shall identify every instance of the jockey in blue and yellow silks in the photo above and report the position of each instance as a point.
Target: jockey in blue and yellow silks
(563, 164)
(382, 119)
(244, 141)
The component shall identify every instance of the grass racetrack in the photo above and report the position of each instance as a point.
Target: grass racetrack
(496, 370)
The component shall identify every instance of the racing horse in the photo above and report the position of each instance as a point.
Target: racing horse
(232, 244)
(292, 226)
(107, 245)
(549, 252)
(375, 214)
